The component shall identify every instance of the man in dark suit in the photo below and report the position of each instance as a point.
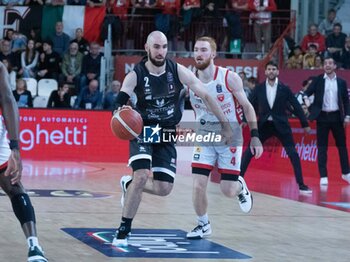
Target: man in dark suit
(331, 110)
(271, 100)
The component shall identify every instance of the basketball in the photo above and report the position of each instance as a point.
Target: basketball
(126, 124)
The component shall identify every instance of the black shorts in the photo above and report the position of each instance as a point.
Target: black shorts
(162, 157)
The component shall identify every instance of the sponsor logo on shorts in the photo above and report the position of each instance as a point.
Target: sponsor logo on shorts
(196, 156)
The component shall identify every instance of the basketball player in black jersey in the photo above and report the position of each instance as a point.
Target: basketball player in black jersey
(11, 168)
(158, 85)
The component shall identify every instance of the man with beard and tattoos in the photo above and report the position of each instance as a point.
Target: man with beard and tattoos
(157, 82)
(227, 88)
(271, 100)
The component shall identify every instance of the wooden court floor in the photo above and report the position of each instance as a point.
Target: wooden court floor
(277, 229)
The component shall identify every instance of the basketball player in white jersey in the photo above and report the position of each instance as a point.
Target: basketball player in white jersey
(227, 88)
(11, 168)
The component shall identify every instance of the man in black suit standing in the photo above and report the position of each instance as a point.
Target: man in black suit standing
(331, 110)
(271, 100)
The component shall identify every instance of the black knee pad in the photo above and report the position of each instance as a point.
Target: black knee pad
(141, 164)
(22, 206)
(229, 177)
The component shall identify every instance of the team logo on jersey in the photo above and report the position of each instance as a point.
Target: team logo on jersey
(160, 102)
(219, 88)
(221, 97)
(171, 88)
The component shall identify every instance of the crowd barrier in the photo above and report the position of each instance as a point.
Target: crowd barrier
(84, 135)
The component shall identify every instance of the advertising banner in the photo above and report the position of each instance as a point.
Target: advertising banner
(70, 135)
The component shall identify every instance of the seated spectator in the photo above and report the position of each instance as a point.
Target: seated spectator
(60, 40)
(345, 56)
(29, 60)
(49, 62)
(11, 72)
(90, 97)
(318, 62)
(22, 95)
(60, 98)
(81, 41)
(19, 42)
(309, 57)
(335, 43)
(296, 60)
(261, 16)
(109, 99)
(326, 25)
(91, 65)
(10, 56)
(313, 38)
(35, 35)
(71, 66)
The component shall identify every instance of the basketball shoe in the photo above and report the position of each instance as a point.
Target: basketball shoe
(245, 198)
(36, 254)
(124, 182)
(120, 239)
(200, 231)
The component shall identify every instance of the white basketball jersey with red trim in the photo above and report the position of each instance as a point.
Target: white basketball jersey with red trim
(4, 146)
(218, 88)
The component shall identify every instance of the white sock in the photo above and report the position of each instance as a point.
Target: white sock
(202, 220)
(32, 241)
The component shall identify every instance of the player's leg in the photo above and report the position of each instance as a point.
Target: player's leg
(140, 162)
(202, 163)
(164, 169)
(232, 185)
(24, 212)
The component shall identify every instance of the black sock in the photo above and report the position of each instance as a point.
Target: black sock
(124, 228)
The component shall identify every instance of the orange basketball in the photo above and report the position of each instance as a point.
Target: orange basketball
(126, 124)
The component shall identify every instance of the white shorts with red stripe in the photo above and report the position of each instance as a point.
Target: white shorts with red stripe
(4, 146)
(228, 158)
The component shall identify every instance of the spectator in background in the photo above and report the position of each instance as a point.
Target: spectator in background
(261, 16)
(22, 96)
(60, 98)
(167, 20)
(35, 35)
(82, 42)
(10, 56)
(71, 66)
(326, 25)
(309, 57)
(29, 60)
(90, 97)
(91, 65)
(49, 62)
(60, 40)
(318, 62)
(246, 89)
(109, 99)
(345, 56)
(335, 43)
(313, 38)
(12, 73)
(296, 60)
(252, 82)
(19, 42)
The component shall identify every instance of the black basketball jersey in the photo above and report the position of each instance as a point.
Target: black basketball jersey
(160, 99)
